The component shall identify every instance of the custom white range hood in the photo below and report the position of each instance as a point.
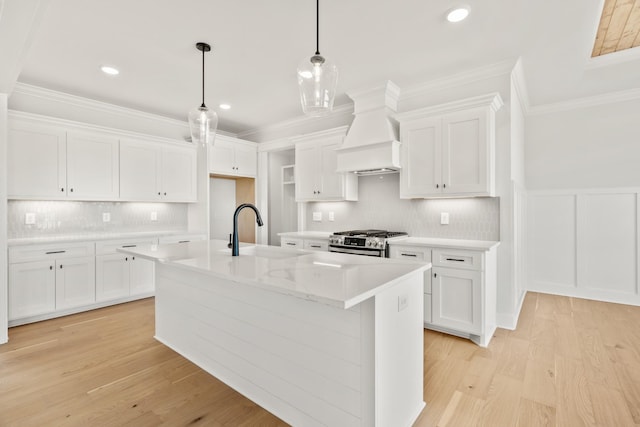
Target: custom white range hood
(371, 145)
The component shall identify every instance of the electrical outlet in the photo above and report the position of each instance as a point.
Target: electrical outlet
(444, 218)
(403, 302)
(332, 216)
(30, 218)
(154, 216)
(317, 216)
(106, 217)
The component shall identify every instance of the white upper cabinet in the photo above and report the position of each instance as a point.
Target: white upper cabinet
(92, 166)
(233, 157)
(157, 172)
(36, 161)
(315, 168)
(449, 150)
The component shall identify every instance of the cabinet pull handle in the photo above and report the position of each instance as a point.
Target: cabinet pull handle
(129, 246)
(316, 246)
(184, 241)
(55, 252)
(455, 259)
(411, 255)
(291, 244)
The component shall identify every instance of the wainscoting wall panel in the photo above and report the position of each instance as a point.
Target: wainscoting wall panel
(584, 243)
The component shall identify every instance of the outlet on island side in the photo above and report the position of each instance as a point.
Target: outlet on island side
(106, 216)
(30, 218)
(403, 302)
(444, 218)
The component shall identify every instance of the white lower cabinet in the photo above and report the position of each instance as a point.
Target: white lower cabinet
(308, 244)
(457, 300)
(459, 290)
(112, 276)
(47, 278)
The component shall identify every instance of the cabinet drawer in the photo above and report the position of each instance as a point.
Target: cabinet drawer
(427, 308)
(110, 246)
(467, 260)
(410, 252)
(50, 251)
(316, 245)
(291, 243)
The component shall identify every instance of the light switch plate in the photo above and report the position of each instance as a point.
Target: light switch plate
(30, 218)
(403, 302)
(317, 216)
(332, 216)
(444, 218)
(106, 217)
(154, 216)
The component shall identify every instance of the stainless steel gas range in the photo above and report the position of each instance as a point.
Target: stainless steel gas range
(364, 242)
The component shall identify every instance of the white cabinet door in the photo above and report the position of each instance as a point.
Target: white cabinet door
(222, 157)
(112, 276)
(307, 172)
(36, 161)
(246, 160)
(32, 289)
(140, 165)
(456, 299)
(92, 166)
(465, 153)
(179, 173)
(332, 183)
(75, 282)
(421, 151)
(141, 275)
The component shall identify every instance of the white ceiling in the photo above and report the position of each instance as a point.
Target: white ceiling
(257, 45)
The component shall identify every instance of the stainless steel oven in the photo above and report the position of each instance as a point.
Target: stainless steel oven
(364, 242)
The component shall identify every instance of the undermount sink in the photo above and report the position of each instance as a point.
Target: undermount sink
(265, 252)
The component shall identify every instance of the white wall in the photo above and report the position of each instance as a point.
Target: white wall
(222, 197)
(3, 220)
(583, 212)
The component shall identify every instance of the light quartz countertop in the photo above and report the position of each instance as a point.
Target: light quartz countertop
(307, 234)
(67, 238)
(476, 245)
(334, 279)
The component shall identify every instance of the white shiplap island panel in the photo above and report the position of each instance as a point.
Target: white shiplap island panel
(318, 339)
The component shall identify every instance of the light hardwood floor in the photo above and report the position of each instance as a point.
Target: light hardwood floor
(570, 362)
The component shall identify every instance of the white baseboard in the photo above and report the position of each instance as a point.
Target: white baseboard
(510, 320)
(585, 293)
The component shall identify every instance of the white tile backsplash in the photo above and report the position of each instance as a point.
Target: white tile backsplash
(379, 206)
(57, 218)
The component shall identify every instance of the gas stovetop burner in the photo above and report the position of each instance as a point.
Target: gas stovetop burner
(371, 233)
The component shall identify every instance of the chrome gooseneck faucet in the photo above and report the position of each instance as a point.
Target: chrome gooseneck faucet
(234, 243)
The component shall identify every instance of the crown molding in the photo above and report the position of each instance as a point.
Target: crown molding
(491, 100)
(86, 127)
(520, 86)
(344, 109)
(90, 104)
(586, 102)
(276, 145)
(459, 79)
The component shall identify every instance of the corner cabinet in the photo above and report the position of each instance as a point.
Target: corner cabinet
(449, 150)
(315, 168)
(233, 157)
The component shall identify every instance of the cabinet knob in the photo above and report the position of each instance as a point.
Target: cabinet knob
(133, 258)
(62, 189)
(126, 258)
(444, 185)
(60, 266)
(435, 275)
(72, 190)
(159, 193)
(437, 185)
(165, 193)
(51, 267)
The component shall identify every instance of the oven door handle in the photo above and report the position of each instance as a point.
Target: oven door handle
(354, 251)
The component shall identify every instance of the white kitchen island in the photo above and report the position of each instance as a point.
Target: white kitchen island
(316, 338)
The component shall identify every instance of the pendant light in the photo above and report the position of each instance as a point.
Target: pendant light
(203, 121)
(317, 79)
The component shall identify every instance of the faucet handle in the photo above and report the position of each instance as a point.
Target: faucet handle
(229, 245)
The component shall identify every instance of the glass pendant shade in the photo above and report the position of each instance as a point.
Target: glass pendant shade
(317, 81)
(203, 123)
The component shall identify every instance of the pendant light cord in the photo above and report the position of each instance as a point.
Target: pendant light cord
(203, 106)
(317, 27)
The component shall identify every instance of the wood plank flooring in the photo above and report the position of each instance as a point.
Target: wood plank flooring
(570, 362)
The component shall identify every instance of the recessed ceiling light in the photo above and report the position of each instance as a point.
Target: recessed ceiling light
(225, 106)
(110, 70)
(458, 14)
